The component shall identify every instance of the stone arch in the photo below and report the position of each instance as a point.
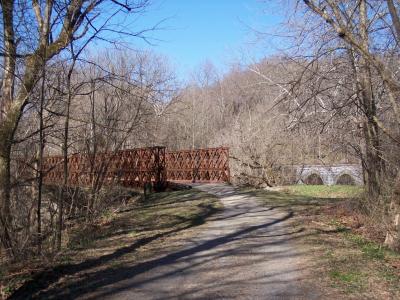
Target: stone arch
(313, 178)
(329, 174)
(345, 178)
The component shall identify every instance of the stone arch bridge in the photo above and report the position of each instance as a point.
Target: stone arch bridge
(329, 174)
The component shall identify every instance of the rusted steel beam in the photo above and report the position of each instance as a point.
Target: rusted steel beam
(131, 168)
(140, 166)
(205, 165)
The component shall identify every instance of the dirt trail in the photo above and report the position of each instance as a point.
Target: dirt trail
(245, 252)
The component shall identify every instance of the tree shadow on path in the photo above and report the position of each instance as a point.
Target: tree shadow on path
(92, 281)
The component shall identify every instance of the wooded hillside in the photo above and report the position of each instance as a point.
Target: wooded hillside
(70, 84)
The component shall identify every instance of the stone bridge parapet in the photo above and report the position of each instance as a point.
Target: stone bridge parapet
(329, 174)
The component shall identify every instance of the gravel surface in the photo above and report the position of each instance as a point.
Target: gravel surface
(245, 252)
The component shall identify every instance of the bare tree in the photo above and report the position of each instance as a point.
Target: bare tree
(57, 23)
(347, 55)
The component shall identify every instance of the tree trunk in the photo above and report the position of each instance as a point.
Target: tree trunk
(373, 159)
(40, 160)
(6, 136)
(371, 131)
(6, 121)
(9, 58)
(95, 169)
(64, 186)
(5, 194)
(392, 239)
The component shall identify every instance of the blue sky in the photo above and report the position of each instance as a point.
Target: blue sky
(196, 31)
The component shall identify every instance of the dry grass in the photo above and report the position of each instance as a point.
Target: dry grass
(347, 263)
(324, 191)
(121, 236)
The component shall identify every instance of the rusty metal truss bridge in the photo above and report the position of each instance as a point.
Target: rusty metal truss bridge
(139, 166)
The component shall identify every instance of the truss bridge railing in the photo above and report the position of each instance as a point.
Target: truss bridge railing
(198, 165)
(137, 167)
(130, 168)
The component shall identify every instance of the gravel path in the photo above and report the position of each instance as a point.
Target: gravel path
(244, 252)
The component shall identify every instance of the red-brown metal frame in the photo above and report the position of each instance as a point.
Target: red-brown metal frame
(199, 165)
(130, 168)
(136, 167)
